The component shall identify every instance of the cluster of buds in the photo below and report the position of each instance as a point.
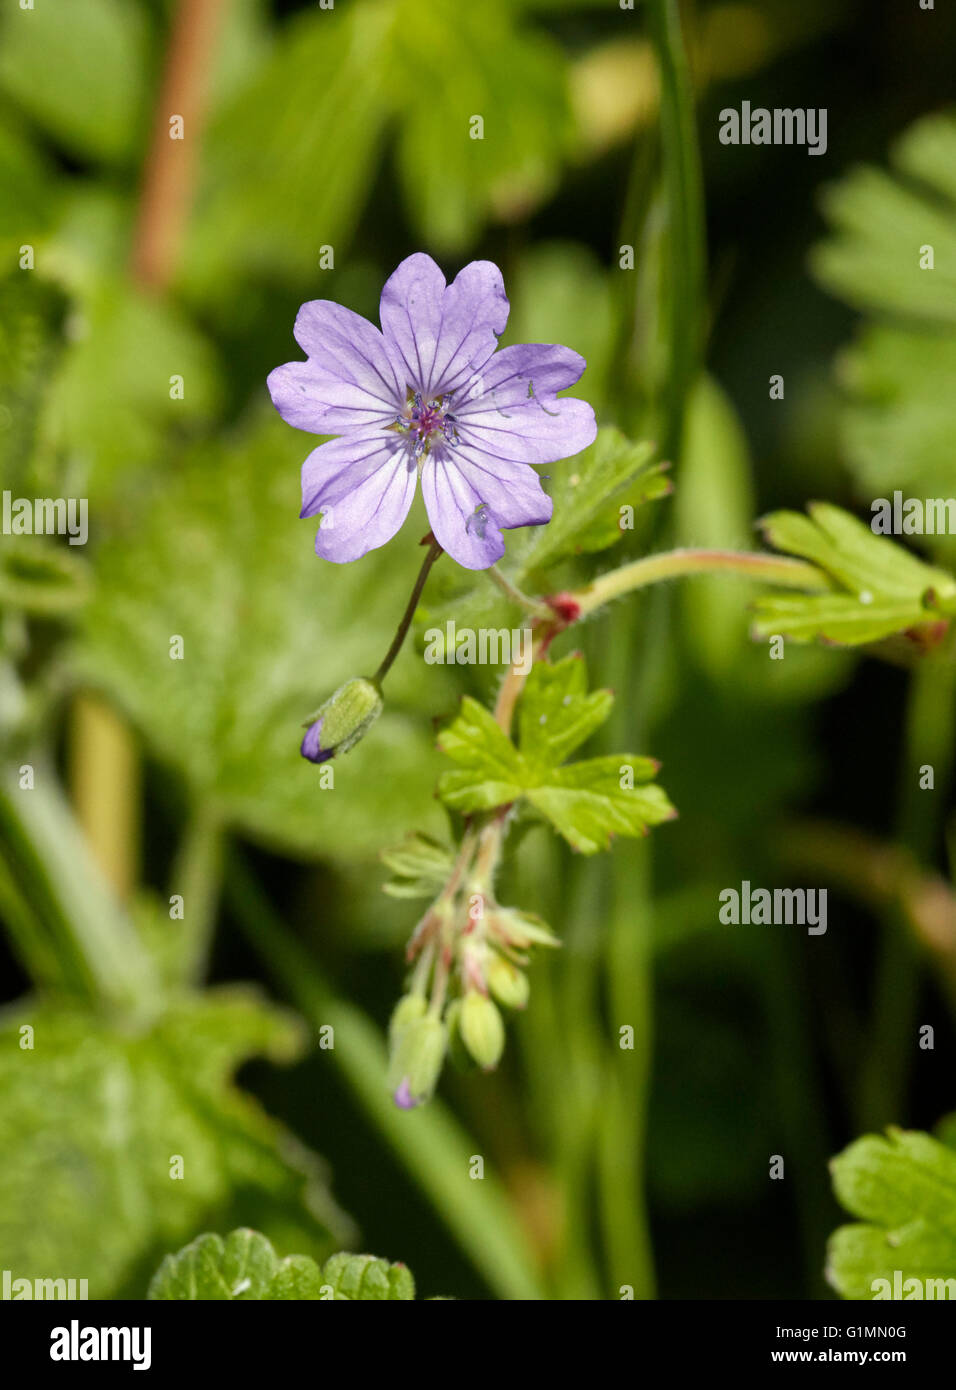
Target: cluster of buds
(470, 957)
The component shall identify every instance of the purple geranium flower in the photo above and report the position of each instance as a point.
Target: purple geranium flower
(428, 394)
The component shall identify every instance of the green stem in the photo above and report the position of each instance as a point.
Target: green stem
(672, 564)
(434, 550)
(685, 240)
(197, 877)
(792, 1061)
(531, 605)
(433, 1148)
(623, 1121)
(91, 947)
(929, 740)
(574, 1074)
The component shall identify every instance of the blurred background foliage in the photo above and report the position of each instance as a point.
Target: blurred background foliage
(345, 129)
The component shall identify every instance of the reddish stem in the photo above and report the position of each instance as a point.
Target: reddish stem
(169, 173)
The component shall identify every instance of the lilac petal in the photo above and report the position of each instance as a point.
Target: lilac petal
(410, 311)
(510, 408)
(512, 491)
(461, 519)
(443, 333)
(311, 747)
(403, 1096)
(335, 469)
(363, 486)
(352, 376)
(474, 313)
(312, 400)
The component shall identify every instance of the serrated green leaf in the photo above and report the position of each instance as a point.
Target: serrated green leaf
(490, 767)
(586, 802)
(886, 589)
(366, 1278)
(848, 550)
(240, 1268)
(105, 1115)
(245, 1266)
(838, 618)
(904, 1188)
(556, 713)
(880, 223)
(899, 416)
(862, 560)
(297, 1277)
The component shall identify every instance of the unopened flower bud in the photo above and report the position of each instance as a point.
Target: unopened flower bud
(457, 1051)
(345, 717)
(408, 1008)
(507, 982)
(416, 1061)
(520, 930)
(482, 1029)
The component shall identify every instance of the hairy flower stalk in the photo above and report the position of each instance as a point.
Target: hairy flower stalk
(347, 716)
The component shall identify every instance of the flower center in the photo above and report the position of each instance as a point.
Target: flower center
(426, 422)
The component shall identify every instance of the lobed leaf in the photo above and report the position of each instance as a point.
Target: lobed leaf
(105, 1114)
(366, 1278)
(904, 1187)
(491, 770)
(899, 415)
(244, 1267)
(885, 589)
(587, 802)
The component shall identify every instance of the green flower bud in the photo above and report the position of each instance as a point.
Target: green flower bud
(408, 1008)
(482, 1029)
(519, 930)
(416, 1061)
(345, 717)
(508, 983)
(458, 1053)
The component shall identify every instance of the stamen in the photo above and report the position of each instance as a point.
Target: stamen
(427, 421)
